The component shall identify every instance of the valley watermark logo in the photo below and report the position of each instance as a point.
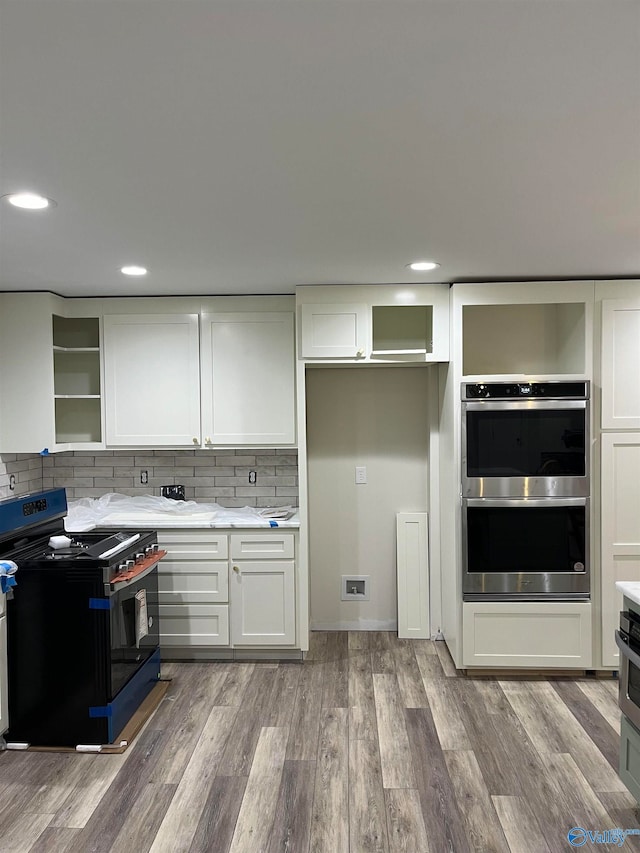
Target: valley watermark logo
(578, 836)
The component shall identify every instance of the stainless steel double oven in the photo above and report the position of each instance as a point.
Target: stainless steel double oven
(525, 490)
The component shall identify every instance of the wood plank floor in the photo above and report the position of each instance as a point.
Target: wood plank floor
(373, 745)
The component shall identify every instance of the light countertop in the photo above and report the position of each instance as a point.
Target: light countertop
(630, 589)
(159, 513)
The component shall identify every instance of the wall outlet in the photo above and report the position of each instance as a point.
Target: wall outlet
(361, 474)
(175, 493)
(144, 477)
(355, 587)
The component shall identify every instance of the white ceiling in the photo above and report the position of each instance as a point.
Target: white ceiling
(247, 146)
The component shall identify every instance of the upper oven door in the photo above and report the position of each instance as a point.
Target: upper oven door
(525, 448)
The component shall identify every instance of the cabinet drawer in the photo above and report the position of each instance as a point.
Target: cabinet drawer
(192, 582)
(258, 546)
(194, 545)
(194, 625)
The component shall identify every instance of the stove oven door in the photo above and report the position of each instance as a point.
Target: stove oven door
(4, 678)
(134, 627)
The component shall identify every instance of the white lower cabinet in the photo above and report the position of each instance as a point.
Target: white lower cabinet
(262, 590)
(202, 604)
(193, 589)
(513, 634)
(620, 530)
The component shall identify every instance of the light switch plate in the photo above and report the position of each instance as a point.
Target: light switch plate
(361, 474)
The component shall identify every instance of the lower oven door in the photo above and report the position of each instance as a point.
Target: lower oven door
(134, 627)
(629, 678)
(525, 549)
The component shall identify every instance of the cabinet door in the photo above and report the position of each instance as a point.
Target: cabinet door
(334, 331)
(620, 538)
(515, 634)
(4, 705)
(263, 603)
(248, 379)
(152, 380)
(26, 373)
(620, 363)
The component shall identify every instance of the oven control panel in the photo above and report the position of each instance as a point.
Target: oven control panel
(25, 511)
(524, 390)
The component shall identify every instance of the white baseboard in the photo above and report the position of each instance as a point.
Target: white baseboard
(357, 625)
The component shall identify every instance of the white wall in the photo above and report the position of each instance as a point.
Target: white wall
(376, 417)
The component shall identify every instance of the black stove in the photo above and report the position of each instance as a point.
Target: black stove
(82, 625)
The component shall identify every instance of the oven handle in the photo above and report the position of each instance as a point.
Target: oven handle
(524, 502)
(136, 575)
(523, 404)
(626, 650)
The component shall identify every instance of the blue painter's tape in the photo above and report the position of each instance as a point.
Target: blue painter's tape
(273, 523)
(100, 711)
(99, 604)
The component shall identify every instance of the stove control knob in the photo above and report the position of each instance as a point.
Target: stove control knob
(129, 564)
(148, 549)
(139, 555)
(121, 567)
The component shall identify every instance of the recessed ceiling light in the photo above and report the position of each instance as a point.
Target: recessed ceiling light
(30, 201)
(134, 270)
(423, 266)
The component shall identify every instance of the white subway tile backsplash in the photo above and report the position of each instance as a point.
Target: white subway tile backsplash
(91, 472)
(27, 474)
(123, 461)
(149, 461)
(220, 476)
(255, 491)
(178, 471)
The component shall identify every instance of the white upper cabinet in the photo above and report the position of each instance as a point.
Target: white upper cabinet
(374, 324)
(77, 381)
(152, 380)
(248, 378)
(621, 363)
(523, 329)
(50, 373)
(334, 331)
